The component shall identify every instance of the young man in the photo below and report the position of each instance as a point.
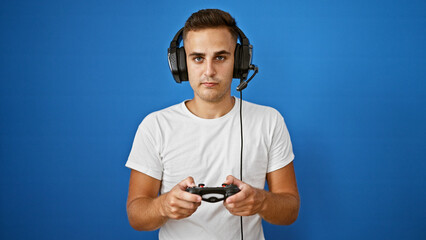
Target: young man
(198, 141)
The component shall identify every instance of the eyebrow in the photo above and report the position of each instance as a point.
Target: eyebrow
(222, 52)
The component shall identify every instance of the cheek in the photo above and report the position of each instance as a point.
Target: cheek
(193, 85)
(230, 66)
(229, 70)
(192, 71)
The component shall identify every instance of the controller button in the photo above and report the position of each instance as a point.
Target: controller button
(224, 185)
(201, 185)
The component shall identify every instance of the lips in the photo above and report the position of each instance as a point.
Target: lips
(209, 84)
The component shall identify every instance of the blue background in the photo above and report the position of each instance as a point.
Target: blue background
(77, 77)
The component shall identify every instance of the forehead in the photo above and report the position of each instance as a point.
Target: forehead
(209, 39)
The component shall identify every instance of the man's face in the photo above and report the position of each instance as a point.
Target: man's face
(210, 63)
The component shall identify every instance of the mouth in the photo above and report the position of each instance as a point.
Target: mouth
(209, 84)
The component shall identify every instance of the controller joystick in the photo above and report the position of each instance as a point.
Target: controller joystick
(214, 194)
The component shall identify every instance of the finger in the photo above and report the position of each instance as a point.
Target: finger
(234, 205)
(233, 180)
(179, 213)
(231, 208)
(238, 197)
(189, 197)
(182, 204)
(229, 179)
(187, 182)
(240, 212)
(240, 209)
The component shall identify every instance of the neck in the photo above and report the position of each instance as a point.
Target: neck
(210, 110)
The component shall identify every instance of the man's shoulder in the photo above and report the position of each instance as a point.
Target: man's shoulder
(260, 110)
(173, 111)
(168, 110)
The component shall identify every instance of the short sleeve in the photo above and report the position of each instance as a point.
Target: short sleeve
(281, 150)
(145, 154)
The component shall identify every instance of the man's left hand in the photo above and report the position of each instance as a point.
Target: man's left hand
(247, 202)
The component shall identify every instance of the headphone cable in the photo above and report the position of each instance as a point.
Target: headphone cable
(241, 153)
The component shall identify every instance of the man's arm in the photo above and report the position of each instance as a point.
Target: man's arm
(278, 206)
(147, 211)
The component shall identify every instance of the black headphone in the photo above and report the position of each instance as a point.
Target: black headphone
(242, 58)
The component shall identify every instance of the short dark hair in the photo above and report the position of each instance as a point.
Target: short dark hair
(210, 18)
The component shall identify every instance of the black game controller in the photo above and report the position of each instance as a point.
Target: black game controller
(210, 194)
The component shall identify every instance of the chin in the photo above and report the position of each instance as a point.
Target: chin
(213, 99)
(212, 95)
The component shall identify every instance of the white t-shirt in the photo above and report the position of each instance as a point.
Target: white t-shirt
(173, 143)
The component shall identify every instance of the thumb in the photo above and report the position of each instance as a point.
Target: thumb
(233, 180)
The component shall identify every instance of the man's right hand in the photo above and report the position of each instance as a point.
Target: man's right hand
(178, 203)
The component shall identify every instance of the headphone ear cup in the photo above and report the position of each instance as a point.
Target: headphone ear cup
(237, 61)
(246, 52)
(172, 58)
(183, 71)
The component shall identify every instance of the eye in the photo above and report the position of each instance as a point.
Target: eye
(220, 58)
(198, 59)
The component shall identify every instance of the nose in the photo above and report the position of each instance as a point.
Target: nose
(210, 70)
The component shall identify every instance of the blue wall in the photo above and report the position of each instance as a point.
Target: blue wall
(77, 77)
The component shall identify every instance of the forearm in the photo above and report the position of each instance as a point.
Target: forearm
(145, 214)
(280, 208)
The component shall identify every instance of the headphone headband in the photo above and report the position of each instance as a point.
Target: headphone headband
(179, 35)
(176, 40)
